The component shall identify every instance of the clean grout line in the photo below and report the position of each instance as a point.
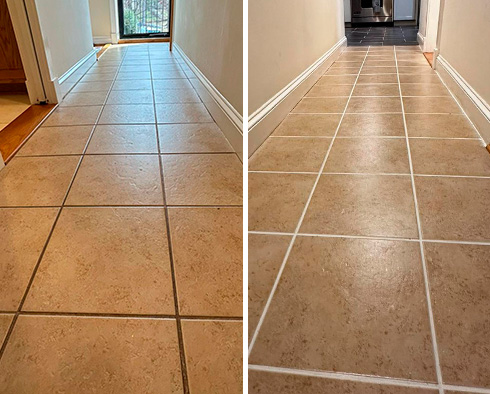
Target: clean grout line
(421, 244)
(370, 174)
(291, 243)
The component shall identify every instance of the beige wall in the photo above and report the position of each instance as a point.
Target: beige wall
(210, 34)
(100, 15)
(66, 31)
(285, 38)
(463, 42)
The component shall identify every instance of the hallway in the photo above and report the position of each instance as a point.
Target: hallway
(121, 239)
(369, 237)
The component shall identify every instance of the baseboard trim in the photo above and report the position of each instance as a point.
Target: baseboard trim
(92, 54)
(264, 120)
(99, 40)
(68, 80)
(421, 40)
(472, 103)
(225, 115)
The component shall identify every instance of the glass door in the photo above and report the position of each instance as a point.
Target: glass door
(144, 18)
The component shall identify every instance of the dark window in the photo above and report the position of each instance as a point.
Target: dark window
(144, 18)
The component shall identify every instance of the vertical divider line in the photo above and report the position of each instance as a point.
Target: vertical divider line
(53, 226)
(298, 226)
(180, 336)
(421, 243)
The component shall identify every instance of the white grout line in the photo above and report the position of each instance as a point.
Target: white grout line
(364, 137)
(421, 244)
(291, 243)
(371, 174)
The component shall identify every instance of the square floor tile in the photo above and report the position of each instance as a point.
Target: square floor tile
(128, 114)
(73, 116)
(207, 252)
(167, 74)
(308, 125)
(374, 105)
(170, 96)
(377, 78)
(105, 260)
(439, 125)
(265, 256)
(321, 105)
(124, 139)
(378, 70)
(416, 70)
(450, 157)
(23, 233)
(276, 201)
(191, 138)
(99, 77)
(370, 205)
(182, 113)
(278, 383)
(420, 78)
(99, 355)
(132, 84)
(290, 154)
(372, 125)
(343, 71)
(381, 89)
(88, 98)
(117, 180)
(163, 84)
(369, 155)
(213, 351)
(459, 277)
(329, 91)
(431, 105)
(36, 181)
(454, 208)
(130, 97)
(98, 86)
(133, 75)
(5, 321)
(385, 334)
(337, 80)
(424, 89)
(350, 64)
(63, 140)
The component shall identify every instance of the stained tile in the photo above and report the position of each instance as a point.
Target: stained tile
(459, 278)
(201, 179)
(352, 336)
(454, 208)
(329, 91)
(23, 233)
(182, 113)
(214, 356)
(356, 125)
(265, 256)
(371, 205)
(431, 105)
(88, 98)
(439, 125)
(374, 105)
(276, 201)
(117, 180)
(73, 116)
(308, 125)
(130, 97)
(97, 354)
(62, 140)
(36, 181)
(170, 96)
(382, 89)
(273, 383)
(290, 154)
(124, 139)
(321, 105)
(371, 155)
(450, 157)
(207, 252)
(187, 138)
(127, 114)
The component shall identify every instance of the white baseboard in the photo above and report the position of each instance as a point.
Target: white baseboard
(66, 82)
(263, 121)
(421, 40)
(99, 40)
(477, 109)
(225, 115)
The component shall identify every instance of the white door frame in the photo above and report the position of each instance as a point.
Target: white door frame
(429, 43)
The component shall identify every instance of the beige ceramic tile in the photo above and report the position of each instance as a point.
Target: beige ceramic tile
(187, 138)
(370, 205)
(130, 97)
(124, 139)
(5, 321)
(378, 70)
(381, 89)
(117, 180)
(200, 179)
(93, 86)
(135, 84)
(207, 252)
(170, 96)
(213, 352)
(416, 70)
(127, 114)
(321, 105)
(98, 355)
(163, 84)
(276, 201)
(371, 125)
(329, 91)
(420, 78)
(182, 113)
(73, 116)
(36, 181)
(343, 71)
(337, 80)
(105, 260)
(377, 78)
(88, 98)
(439, 125)
(374, 105)
(423, 89)
(309, 125)
(359, 331)
(23, 233)
(431, 105)
(290, 154)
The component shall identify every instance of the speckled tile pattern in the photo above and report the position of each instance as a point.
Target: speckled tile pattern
(369, 272)
(121, 240)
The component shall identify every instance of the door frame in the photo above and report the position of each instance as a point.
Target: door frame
(120, 22)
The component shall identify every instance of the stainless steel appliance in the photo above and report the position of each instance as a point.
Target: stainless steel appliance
(369, 11)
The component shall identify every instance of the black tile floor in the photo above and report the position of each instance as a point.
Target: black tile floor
(386, 35)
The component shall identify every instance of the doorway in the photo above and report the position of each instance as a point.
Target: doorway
(144, 18)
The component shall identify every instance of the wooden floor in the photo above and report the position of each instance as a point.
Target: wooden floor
(430, 57)
(13, 135)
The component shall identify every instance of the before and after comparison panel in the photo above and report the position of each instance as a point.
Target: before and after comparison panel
(244, 197)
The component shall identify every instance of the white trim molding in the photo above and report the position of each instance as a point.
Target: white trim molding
(225, 115)
(476, 108)
(102, 40)
(265, 119)
(68, 80)
(421, 40)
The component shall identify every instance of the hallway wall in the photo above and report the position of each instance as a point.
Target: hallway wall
(210, 32)
(100, 15)
(285, 38)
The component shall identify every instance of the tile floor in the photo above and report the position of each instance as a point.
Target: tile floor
(11, 106)
(121, 240)
(369, 237)
(381, 35)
